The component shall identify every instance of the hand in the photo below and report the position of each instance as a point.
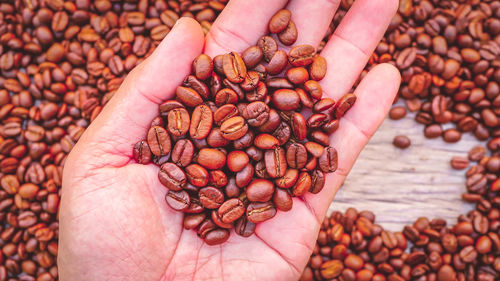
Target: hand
(114, 222)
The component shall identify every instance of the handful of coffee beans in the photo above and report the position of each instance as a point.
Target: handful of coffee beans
(245, 133)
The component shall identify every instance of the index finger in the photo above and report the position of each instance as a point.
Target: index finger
(240, 25)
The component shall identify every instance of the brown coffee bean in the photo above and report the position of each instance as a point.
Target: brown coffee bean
(197, 85)
(183, 152)
(201, 122)
(277, 62)
(211, 197)
(234, 128)
(193, 221)
(299, 126)
(260, 190)
(266, 141)
(296, 156)
(142, 153)
(258, 212)
(244, 176)
(288, 180)
(297, 75)
(397, 113)
(172, 177)
(344, 104)
(197, 175)
(285, 99)
(159, 141)
(202, 67)
(234, 67)
(313, 88)
(331, 269)
(282, 200)
(252, 56)
(328, 160)
(459, 163)
(303, 184)
(244, 227)
(237, 160)
(318, 68)
(279, 21)
(275, 162)
(401, 141)
(231, 210)
(452, 135)
(211, 158)
(178, 122)
(289, 35)
(256, 113)
(302, 55)
(268, 46)
(178, 200)
(188, 96)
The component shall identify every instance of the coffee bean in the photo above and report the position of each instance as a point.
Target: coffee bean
(231, 210)
(258, 212)
(234, 67)
(275, 162)
(318, 68)
(328, 160)
(192, 221)
(289, 35)
(397, 113)
(188, 96)
(202, 67)
(211, 197)
(344, 104)
(280, 21)
(260, 190)
(252, 56)
(302, 55)
(142, 153)
(172, 177)
(401, 142)
(459, 163)
(183, 152)
(178, 200)
(216, 236)
(201, 122)
(211, 158)
(303, 184)
(178, 122)
(285, 99)
(244, 227)
(256, 113)
(268, 46)
(159, 141)
(234, 128)
(197, 175)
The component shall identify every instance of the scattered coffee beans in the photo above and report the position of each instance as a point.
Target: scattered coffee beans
(401, 142)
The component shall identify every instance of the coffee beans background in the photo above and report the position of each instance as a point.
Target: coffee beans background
(61, 61)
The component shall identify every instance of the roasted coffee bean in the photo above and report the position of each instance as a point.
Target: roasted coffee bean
(285, 99)
(296, 156)
(256, 113)
(192, 221)
(276, 163)
(216, 236)
(201, 122)
(258, 212)
(401, 141)
(231, 210)
(197, 175)
(318, 68)
(268, 46)
(159, 141)
(317, 181)
(302, 55)
(172, 177)
(299, 126)
(266, 141)
(260, 190)
(224, 112)
(459, 163)
(279, 21)
(188, 96)
(178, 122)
(344, 104)
(244, 227)
(234, 128)
(252, 56)
(289, 35)
(234, 67)
(202, 67)
(277, 62)
(237, 160)
(211, 158)
(142, 153)
(178, 200)
(183, 152)
(328, 160)
(211, 197)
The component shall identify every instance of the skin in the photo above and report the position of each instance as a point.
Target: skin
(114, 222)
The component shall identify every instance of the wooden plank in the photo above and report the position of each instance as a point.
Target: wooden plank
(402, 185)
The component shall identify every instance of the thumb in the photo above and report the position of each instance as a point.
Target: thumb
(127, 116)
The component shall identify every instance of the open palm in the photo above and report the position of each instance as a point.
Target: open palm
(114, 222)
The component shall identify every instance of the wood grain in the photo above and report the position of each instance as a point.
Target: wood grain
(402, 185)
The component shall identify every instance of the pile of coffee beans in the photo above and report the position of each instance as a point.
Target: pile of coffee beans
(241, 144)
(60, 62)
(449, 55)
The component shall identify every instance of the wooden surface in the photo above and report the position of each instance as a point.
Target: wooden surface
(402, 185)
